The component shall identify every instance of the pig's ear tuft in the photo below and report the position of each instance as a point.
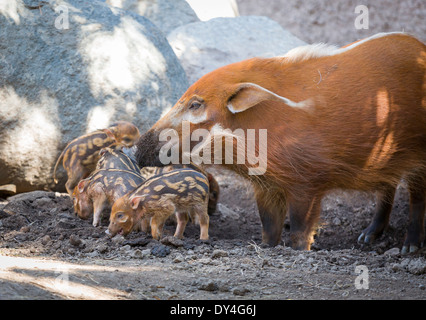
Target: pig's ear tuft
(109, 133)
(247, 95)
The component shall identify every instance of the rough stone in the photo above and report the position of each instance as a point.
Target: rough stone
(218, 253)
(75, 240)
(165, 14)
(45, 240)
(172, 241)
(209, 9)
(392, 252)
(334, 21)
(81, 65)
(205, 46)
(160, 251)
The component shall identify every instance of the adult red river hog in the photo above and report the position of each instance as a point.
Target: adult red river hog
(346, 118)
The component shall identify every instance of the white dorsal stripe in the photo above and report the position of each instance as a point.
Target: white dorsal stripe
(310, 51)
(322, 50)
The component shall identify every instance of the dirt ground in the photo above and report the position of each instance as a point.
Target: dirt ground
(46, 252)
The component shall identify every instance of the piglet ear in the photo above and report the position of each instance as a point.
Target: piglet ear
(109, 133)
(135, 202)
(81, 185)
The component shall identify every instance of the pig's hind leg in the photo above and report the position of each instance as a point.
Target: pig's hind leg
(381, 217)
(201, 211)
(182, 220)
(74, 177)
(304, 216)
(416, 230)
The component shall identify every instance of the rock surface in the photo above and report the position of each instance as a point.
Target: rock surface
(70, 68)
(209, 9)
(334, 21)
(205, 46)
(166, 15)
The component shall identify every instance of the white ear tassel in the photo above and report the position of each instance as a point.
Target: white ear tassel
(231, 108)
(273, 96)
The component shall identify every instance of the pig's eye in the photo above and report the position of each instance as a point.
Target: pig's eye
(195, 105)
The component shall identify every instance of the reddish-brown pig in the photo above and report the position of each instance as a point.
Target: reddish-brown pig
(347, 118)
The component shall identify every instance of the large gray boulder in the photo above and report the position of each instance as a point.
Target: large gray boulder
(68, 68)
(165, 14)
(209, 9)
(205, 46)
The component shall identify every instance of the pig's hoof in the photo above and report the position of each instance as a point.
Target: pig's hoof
(368, 237)
(410, 248)
(413, 242)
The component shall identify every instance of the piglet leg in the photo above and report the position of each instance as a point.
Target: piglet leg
(99, 205)
(203, 217)
(182, 220)
(159, 218)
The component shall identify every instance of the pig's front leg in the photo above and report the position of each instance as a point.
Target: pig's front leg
(304, 216)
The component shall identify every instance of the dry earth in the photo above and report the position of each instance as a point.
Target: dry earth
(48, 253)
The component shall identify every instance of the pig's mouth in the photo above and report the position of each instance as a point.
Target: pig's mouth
(113, 234)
